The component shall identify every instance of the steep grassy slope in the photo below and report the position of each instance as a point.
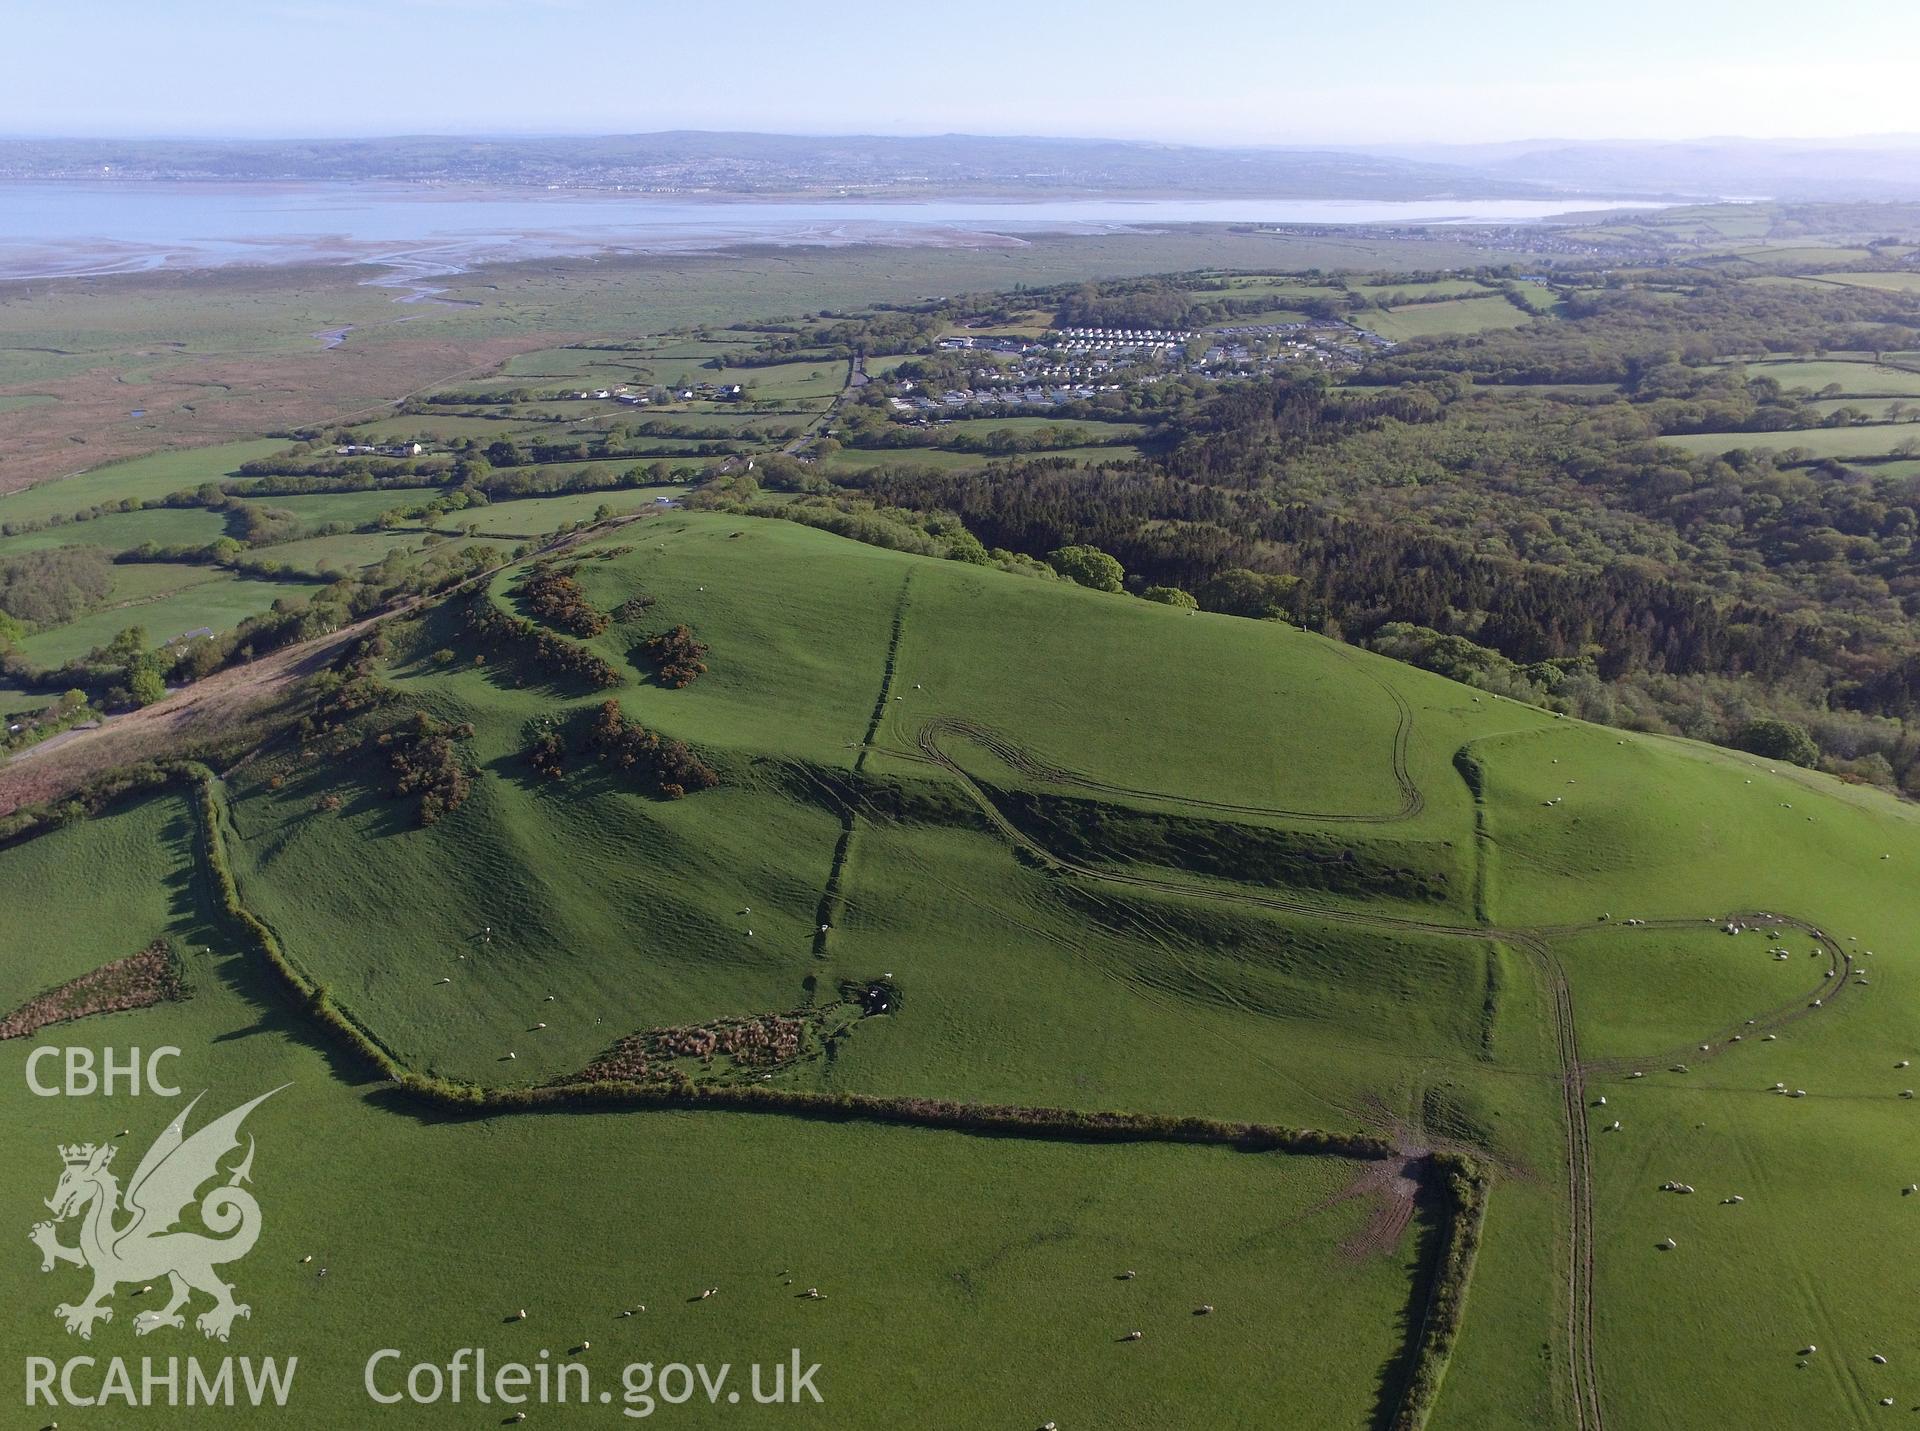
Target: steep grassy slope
(1102, 854)
(967, 1281)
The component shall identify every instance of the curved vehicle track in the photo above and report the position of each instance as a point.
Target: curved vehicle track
(1537, 943)
(1412, 799)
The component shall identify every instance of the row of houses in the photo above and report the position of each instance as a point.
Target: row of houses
(379, 449)
(1005, 397)
(1121, 335)
(990, 344)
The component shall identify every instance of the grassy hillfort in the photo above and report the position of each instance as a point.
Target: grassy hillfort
(1315, 843)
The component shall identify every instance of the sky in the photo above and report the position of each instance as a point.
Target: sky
(1216, 72)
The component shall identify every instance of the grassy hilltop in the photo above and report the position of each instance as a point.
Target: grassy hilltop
(1073, 850)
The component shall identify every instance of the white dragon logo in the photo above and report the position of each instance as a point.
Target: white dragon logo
(145, 1246)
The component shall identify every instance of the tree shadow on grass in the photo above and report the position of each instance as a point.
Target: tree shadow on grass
(1394, 1380)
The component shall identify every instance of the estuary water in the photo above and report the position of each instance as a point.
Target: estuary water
(62, 228)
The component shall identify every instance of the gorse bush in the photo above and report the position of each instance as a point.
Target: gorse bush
(560, 658)
(556, 598)
(676, 656)
(661, 765)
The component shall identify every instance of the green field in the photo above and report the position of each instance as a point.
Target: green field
(1905, 281)
(1444, 319)
(1110, 855)
(122, 531)
(1855, 379)
(1866, 440)
(218, 603)
(866, 1214)
(1435, 289)
(1807, 254)
(143, 477)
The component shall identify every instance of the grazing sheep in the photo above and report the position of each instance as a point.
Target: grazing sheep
(1601, 1101)
(443, 981)
(1668, 1245)
(1205, 1309)
(1877, 1359)
(1808, 1351)
(1132, 1336)
(1128, 1275)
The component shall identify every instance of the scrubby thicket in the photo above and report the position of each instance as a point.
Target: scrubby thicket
(554, 597)
(676, 656)
(425, 762)
(150, 977)
(560, 659)
(48, 587)
(1549, 547)
(354, 711)
(756, 1041)
(659, 764)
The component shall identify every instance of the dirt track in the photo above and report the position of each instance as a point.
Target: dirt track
(218, 703)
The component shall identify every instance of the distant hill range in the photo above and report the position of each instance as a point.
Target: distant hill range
(1879, 167)
(770, 164)
(695, 161)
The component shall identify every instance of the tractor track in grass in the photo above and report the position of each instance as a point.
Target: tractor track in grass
(1582, 1370)
(1537, 942)
(1017, 757)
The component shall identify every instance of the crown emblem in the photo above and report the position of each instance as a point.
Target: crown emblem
(78, 1154)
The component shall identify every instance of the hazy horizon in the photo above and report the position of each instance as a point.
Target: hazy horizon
(533, 132)
(215, 69)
